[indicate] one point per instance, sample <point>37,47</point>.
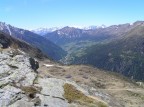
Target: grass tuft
<point>74,95</point>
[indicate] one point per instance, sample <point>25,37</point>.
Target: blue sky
<point>31,14</point>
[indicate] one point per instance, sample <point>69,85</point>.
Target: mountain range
<point>43,31</point>
<point>71,34</point>
<point>30,79</point>
<point>117,48</point>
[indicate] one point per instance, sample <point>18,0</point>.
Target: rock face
<point>17,86</point>
<point>15,72</point>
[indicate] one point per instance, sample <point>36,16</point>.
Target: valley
<point>115,48</point>
<point>92,73</point>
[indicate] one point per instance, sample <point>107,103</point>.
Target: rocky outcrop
<point>15,72</point>
<point>34,64</point>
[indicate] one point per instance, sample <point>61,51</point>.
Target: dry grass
<point>135,94</point>
<point>15,46</point>
<point>30,91</point>
<point>110,83</point>
<point>74,95</point>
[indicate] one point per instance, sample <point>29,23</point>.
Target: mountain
<point>7,41</point>
<point>22,85</point>
<point>27,81</point>
<point>63,35</point>
<point>93,27</point>
<point>71,34</point>
<point>117,48</point>
<point>124,55</point>
<point>43,31</point>
<point>50,49</point>
<point>75,40</point>
<point>90,27</point>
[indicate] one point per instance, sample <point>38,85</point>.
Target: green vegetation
<point>76,49</point>
<point>124,55</point>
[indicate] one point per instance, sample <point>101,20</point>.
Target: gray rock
<point>24,102</point>
<point>8,95</point>
<point>18,88</point>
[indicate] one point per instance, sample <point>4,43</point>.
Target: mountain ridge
<point>72,34</point>
<point>8,41</point>
<point>47,47</point>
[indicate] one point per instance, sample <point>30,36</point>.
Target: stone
<point>8,95</point>
<point>34,64</point>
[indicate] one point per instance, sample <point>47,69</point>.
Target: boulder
<point>34,64</point>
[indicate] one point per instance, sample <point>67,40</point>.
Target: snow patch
<point>48,65</point>
<point>9,29</point>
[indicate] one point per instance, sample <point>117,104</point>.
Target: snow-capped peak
<point>93,27</point>
<point>43,31</point>
<point>90,27</point>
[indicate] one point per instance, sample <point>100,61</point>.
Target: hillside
<point>124,55</point>
<point>114,89</point>
<point>50,49</point>
<point>8,41</point>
